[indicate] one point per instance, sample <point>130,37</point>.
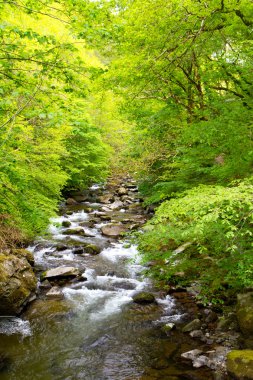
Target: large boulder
<point>113,230</point>
<point>244,312</point>
<point>61,272</point>
<point>240,364</point>
<point>17,282</point>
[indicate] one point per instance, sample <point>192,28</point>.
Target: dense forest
<point>160,89</point>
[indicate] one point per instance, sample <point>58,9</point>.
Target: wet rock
<point>105,217</point>
<point>110,274</point>
<point>144,298</point>
<point>193,325</point>
<point>61,247</point>
<point>168,327</point>
<point>113,230</point>
<point>55,293</point>
<point>92,249</point>
<point>47,309</point>
<point>45,285</point>
<point>71,202</point>
<point>17,283</point>
<point>78,250</point>
<point>244,312</point>
<point>61,272</point>
<point>240,364</point>
<point>97,343</point>
<point>197,334</point>
<point>66,223</point>
<point>80,198</point>
<point>24,253</point>
<point>192,355</point>
<point>78,231</point>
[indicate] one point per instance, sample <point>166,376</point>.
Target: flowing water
<point>96,332</point>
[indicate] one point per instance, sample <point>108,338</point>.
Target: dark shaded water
<point>96,331</point>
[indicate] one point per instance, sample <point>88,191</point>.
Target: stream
<point>93,330</point>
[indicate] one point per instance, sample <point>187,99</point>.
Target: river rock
<point>113,230</point>
<point>55,293</point>
<point>93,249</point>
<point>61,272</point>
<point>66,223</point>
<point>17,283</point>
<point>244,312</point>
<point>193,325</point>
<point>71,202</point>
<point>168,327</point>
<point>116,205</point>
<point>192,355</point>
<point>61,247</point>
<point>24,253</point>
<point>240,364</point>
<point>144,298</point>
<point>107,198</point>
<point>45,285</point>
<point>80,198</point>
<point>122,191</point>
<point>77,231</point>
<point>47,309</point>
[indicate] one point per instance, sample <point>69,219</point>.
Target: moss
<point>240,364</point>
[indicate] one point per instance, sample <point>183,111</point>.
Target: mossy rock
<point>240,364</point>
<point>144,298</point>
<point>244,312</point>
<point>24,253</point>
<point>17,282</point>
<point>92,249</point>
<point>66,223</point>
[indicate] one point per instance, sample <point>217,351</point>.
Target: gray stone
<point>55,293</point>
<point>192,355</point>
<point>61,272</point>
<point>197,334</point>
<point>193,325</point>
<point>113,230</point>
<point>71,201</point>
<point>45,285</point>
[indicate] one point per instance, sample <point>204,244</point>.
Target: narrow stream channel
<point>96,332</point>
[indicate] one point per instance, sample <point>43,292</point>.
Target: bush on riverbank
<point>212,226</point>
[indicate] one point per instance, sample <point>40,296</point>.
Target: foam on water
<point>13,325</point>
<point>118,252</point>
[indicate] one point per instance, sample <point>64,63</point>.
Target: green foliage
<point>213,226</point>
<point>46,137</point>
